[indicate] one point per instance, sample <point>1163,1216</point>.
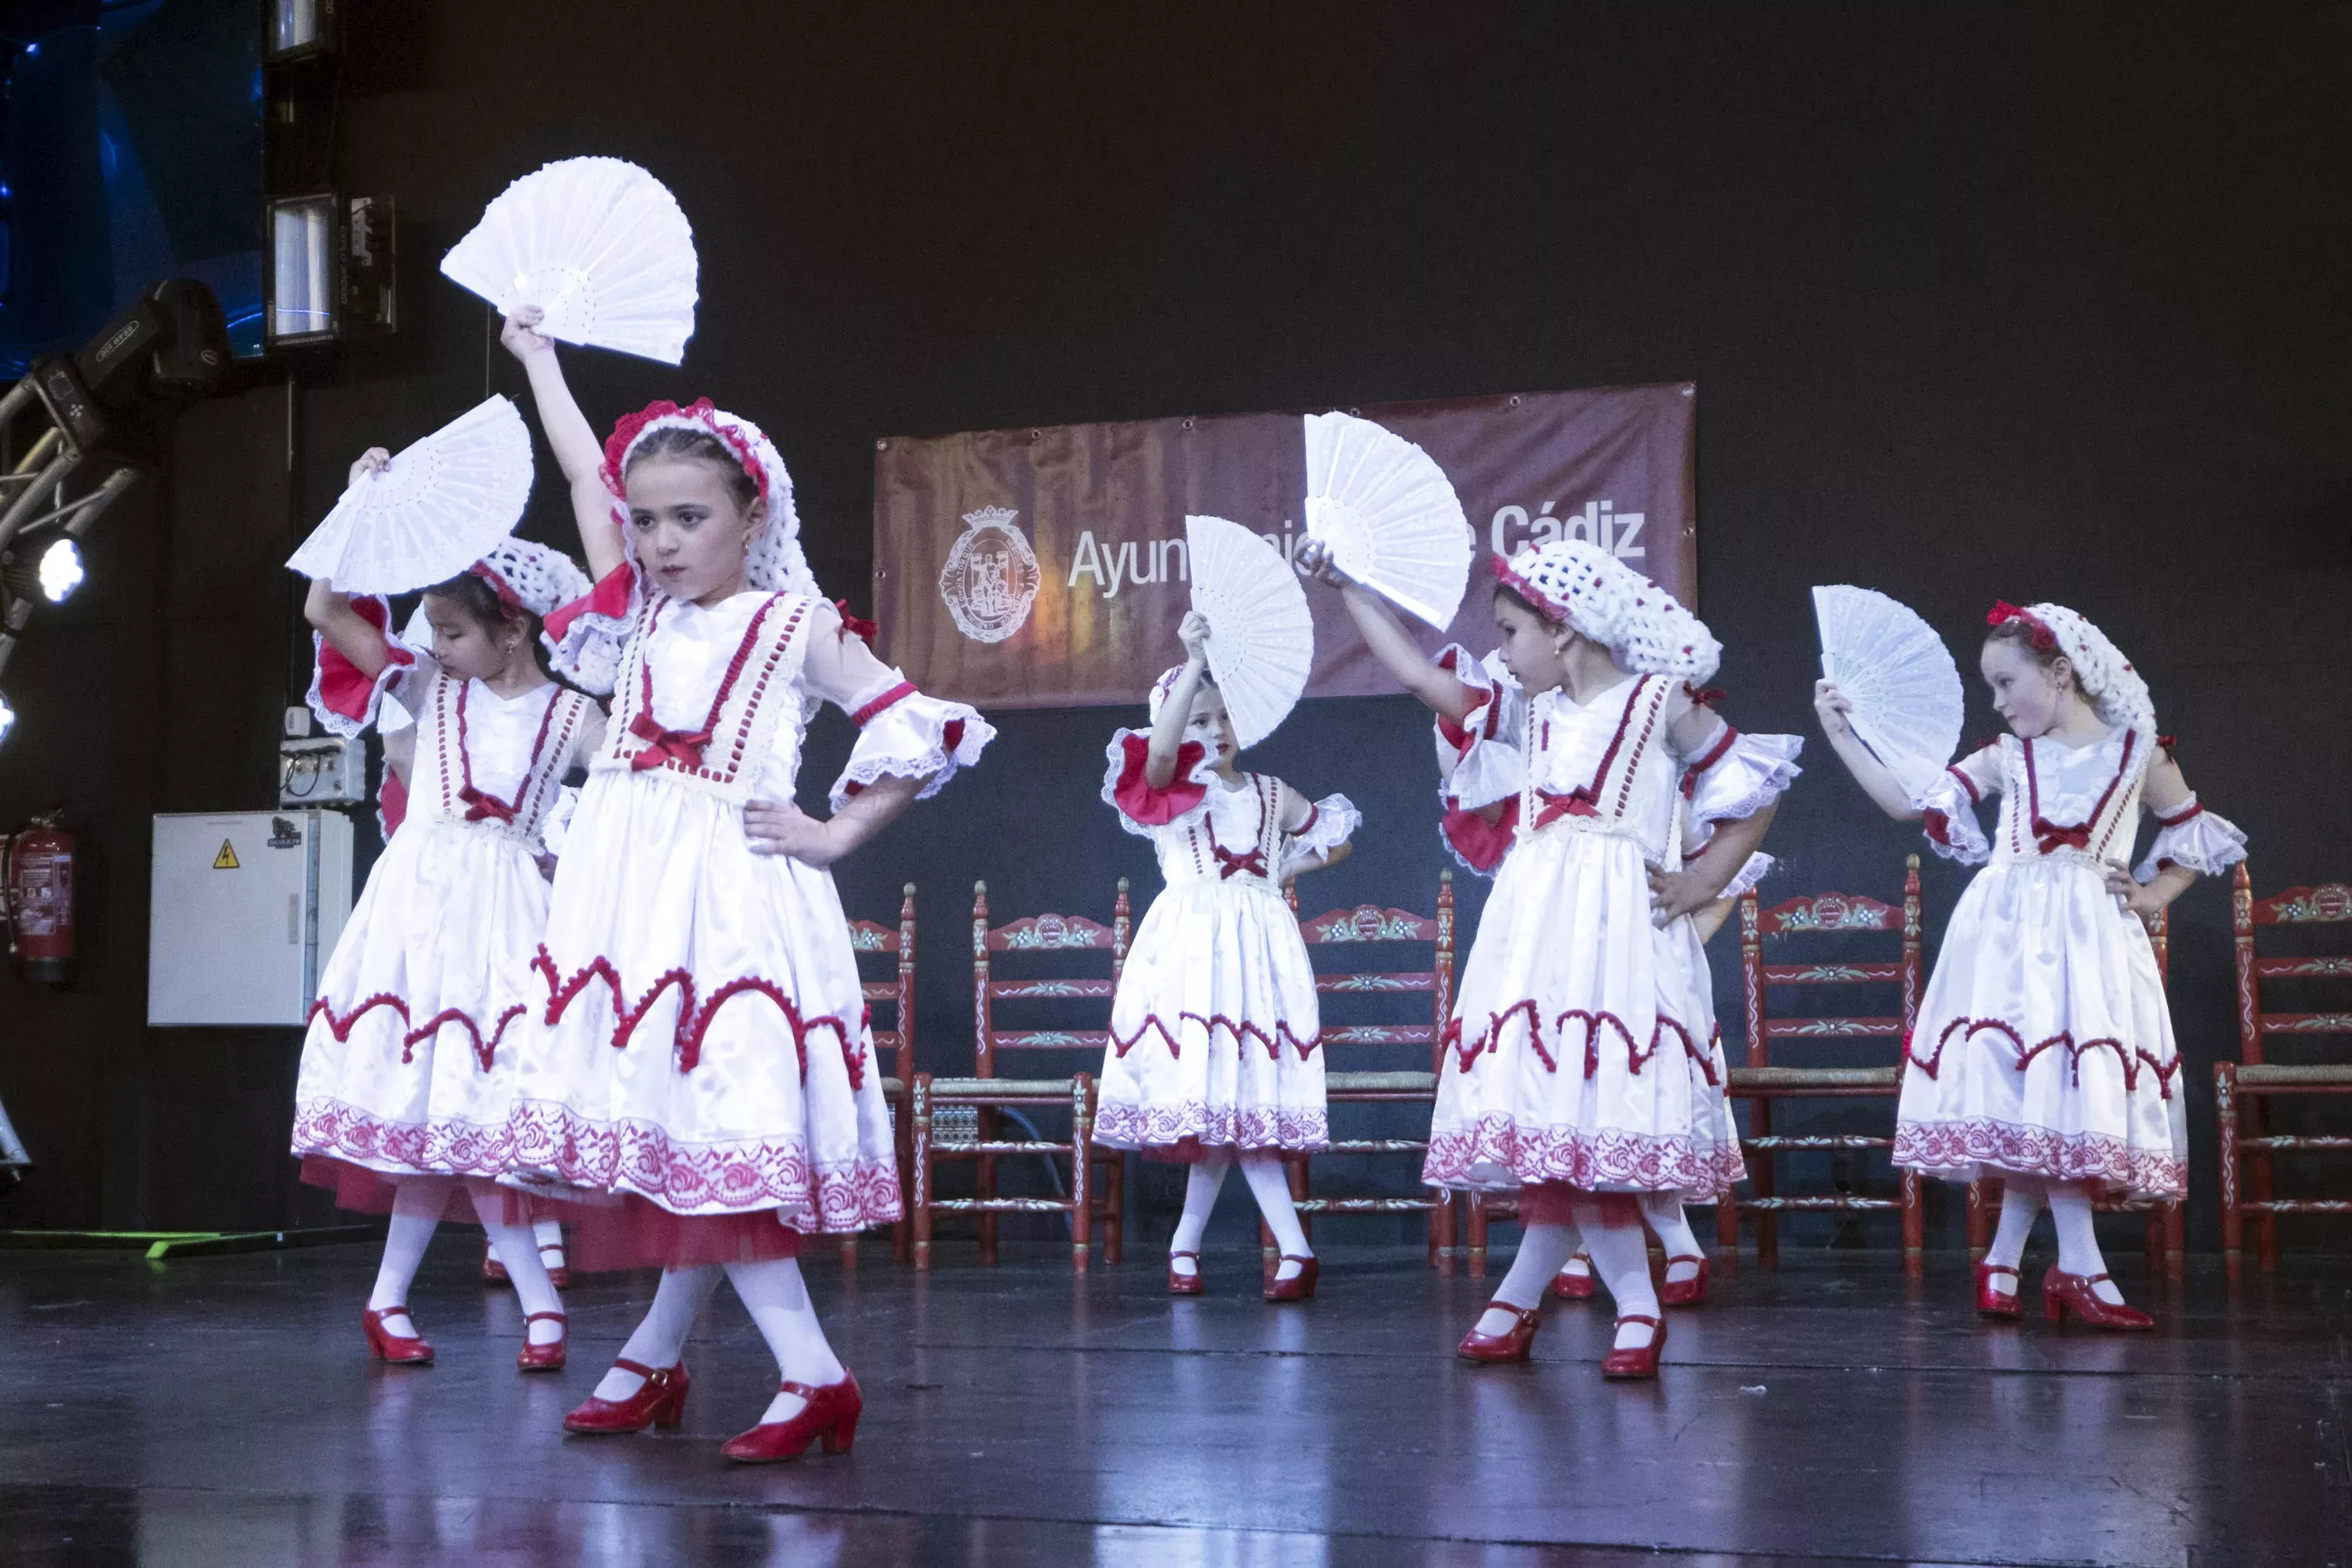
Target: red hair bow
<point>2002,611</point>
<point>865,630</point>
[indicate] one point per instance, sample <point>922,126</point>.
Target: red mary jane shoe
<point>1299,1287</point>
<point>829,1416</point>
<point>548,1357</point>
<point>660,1401</point>
<point>1994,1303</point>
<point>1690,1293</point>
<point>2065,1293</point>
<point>400,1349</point>
<point>1511,1344</point>
<point>1639,1361</point>
<point>1185,1284</point>
<point>1582,1286</point>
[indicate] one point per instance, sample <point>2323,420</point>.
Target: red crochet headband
<point>701,412</point>
<point>507,596</point>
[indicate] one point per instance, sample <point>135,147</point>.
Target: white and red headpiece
<point>528,576</point>
<point>1606,601</point>
<point>775,562</point>
<point>1162,686</point>
<point>2114,690</point>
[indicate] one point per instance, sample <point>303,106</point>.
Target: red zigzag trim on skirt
<point>687,1036</point>
<point>484,1051</point>
<point>1635,1056</point>
<point>1240,1030</point>
<point>2064,1040</point>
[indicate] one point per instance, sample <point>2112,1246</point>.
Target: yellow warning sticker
<point>226,859</point>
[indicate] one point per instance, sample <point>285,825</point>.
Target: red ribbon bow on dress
<point>684,747</point>
<point>1578,801</point>
<point>1233,865</point>
<point>2050,836</point>
<point>853,626</point>
<point>481,807</point>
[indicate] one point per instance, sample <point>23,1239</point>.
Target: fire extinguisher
<point>36,879</point>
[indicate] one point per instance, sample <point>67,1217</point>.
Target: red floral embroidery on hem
<point>1241,1029</point>
<point>1956,1149</point>
<point>1164,1127</point>
<point>687,1034</point>
<point>336,1130</point>
<point>690,1179</point>
<point>1607,1157</point>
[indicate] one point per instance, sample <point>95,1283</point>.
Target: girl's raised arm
<point>1831,706</point>
<point>577,451</point>
<point>1168,730</point>
<point>1390,642</point>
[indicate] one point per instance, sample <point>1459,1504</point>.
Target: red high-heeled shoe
<point>1994,1303</point>
<point>830,1414</point>
<point>659,1401</point>
<point>2063,1293</point>
<point>1576,1287</point>
<point>1511,1344</point>
<point>1640,1360</point>
<point>1299,1287</point>
<point>1185,1284</point>
<point>400,1349</point>
<point>548,1357</point>
<point>1689,1292</point>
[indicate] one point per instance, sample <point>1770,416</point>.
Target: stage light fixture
<point>331,269</point>
<point>299,29</point>
<point>7,718</point>
<point>60,570</point>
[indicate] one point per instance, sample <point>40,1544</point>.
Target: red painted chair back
<point>870,940</point>
<point>1046,936</point>
<point>1367,925</point>
<point>2330,903</point>
<point>1828,915</point>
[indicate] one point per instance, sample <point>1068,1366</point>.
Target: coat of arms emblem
<point>991,576</point>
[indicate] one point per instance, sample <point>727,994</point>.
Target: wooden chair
<point>1761,1082</point>
<point>2243,1089</point>
<point>872,939</point>
<point>988,1094</point>
<point>2166,1219</point>
<point>1350,929</point>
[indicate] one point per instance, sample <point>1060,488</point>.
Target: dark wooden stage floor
<point>220,1411</point>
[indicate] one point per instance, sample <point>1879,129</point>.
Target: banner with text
<point>1045,568</point>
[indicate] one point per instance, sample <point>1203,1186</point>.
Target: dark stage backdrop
<point>2001,301</point>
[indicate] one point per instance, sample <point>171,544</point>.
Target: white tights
<point>1620,1256</point>
<point>1663,1211</point>
<point>417,1206</point>
<point>1268,1183</point>
<point>778,1299</point>
<point>2069,1212</point>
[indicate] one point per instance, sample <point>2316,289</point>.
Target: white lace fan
<point>1906,690</point>
<point>1261,637</point>
<point>434,510</point>
<point>1388,514</point>
<point>599,245</point>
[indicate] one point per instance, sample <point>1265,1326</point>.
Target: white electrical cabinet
<point>246,909</point>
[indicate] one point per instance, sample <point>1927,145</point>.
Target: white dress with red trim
<point>1582,1051</point>
<point>409,1064</point>
<point>702,1050</point>
<point>1214,1028</point>
<point>2044,1044</point>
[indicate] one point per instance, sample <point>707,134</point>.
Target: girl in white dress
<point>408,1068</point>
<point>1213,1055</point>
<point>703,1058</point>
<point>1582,1067</point>
<point>2043,1053</point>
